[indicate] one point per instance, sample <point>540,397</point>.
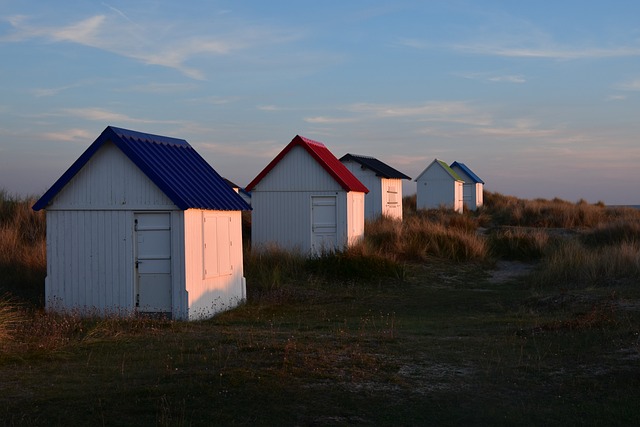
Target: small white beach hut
<point>439,185</point>
<point>472,188</point>
<point>142,223</point>
<point>306,200</point>
<point>384,184</point>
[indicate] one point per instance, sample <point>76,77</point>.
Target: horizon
<point>539,100</point>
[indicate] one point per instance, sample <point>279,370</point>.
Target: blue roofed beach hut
<point>141,223</point>
<point>473,187</point>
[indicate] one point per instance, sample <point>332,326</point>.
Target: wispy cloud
<point>264,149</point>
<point>547,52</point>
<point>329,120</point>
<point>102,115</point>
<point>517,78</point>
<point>69,135</point>
<point>517,38</point>
<point>521,128</point>
<point>270,108</point>
<point>155,43</point>
<point>106,116</point>
<point>162,88</point>
<point>52,91</point>
<point>446,111</point>
<point>629,85</point>
<point>494,78</point>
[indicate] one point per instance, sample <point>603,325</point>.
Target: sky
<point>539,99</point>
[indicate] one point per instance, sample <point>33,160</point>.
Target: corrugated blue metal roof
<point>475,178</point>
<point>171,163</point>
<point>380,168</point>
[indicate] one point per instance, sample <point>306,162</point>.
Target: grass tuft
<point>11,317</point>
<point>23,247</point>
<point>519,243</point>
<point>573,265</point>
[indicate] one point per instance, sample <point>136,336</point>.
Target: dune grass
<point>404,328</point>
<point>22,247</point>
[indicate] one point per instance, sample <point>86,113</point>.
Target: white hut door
<point>153,262</point>
<point>324,224</point>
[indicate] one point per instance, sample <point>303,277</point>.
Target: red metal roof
<point>324,157</point>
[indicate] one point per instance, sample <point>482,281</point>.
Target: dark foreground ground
<point>449,344</point>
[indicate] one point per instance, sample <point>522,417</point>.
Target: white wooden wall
<point>355,213</point>
<point>90,244</point>
<point>473,197</point>
<point>391,197</point>
<point>479,194</point>
<point>90,261</point>
<point>281,204</point>
<point>437,188</point>
<point>298,171</point>
<point>110,180</point>
<point>222,286</point>
<point>373,200</point>
<point>283,219</point>
<point>376,201</point>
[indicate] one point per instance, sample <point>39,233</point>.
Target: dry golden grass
<point>21,229</point>
<point>555,213</point>
<point>574,265</point>
<point>425,235</point>
<point>22,247</point>
<point>368,351</point>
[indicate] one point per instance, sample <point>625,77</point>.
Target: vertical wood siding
<point>282,219</point>
<point>391,197</point>
<point>437,188</point>
<point>298,171</point>
<point>90,261</point>
<point>376,201</point>
<point>211,293</point>
<point>355,213</point>
<point>110,180</point>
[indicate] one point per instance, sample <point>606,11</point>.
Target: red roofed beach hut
<point>306,200</point>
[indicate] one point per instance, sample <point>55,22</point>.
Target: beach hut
<point>246,196</point>
<point>384,184</point>
<point>439,186</point>
<point>141,223</point>
<point>306,200</point>
<point>472,188</point>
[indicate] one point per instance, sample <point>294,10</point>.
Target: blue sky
<point>540,99</point>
